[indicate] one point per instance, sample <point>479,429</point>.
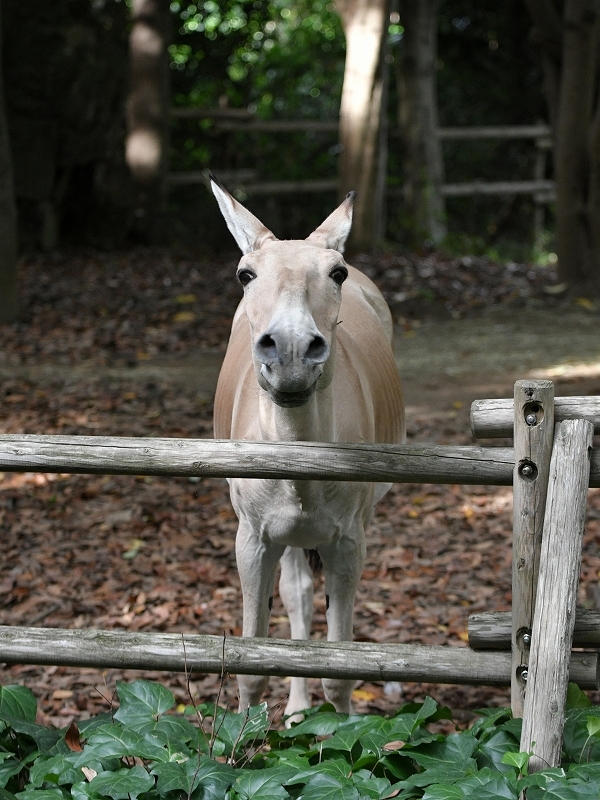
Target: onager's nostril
<point>266,349</point>
<point>317,350</point>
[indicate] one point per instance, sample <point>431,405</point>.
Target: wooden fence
<point>550,468</point>
<point>248,182</point>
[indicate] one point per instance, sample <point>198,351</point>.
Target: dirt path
<point>443,363</point>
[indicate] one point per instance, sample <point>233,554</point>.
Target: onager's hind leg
<point>296,591</point>
<point>256,561</point>
<point>342,563</point>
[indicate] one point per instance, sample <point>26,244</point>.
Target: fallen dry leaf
<point>73,738</point>
<point>396,745</point>
<point>89,773</point>
<point>363,695</point>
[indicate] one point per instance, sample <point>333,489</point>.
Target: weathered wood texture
<point>495,132</point>
<point>492,631</point>
<point>235,655</point>
<point>244,120</point>
<point>491,419</point>
<point>533,434</point>
<point>209,457</point>
<point>116,455</point>
<point>544,710</point>
<point>496,187</point>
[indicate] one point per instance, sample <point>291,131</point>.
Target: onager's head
<point>292,296</point>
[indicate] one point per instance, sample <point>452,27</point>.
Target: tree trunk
<point>570,50</point>
<point>546,33</point>
<point>9,305</point>
<point>571,147</point>
<point>365,27</point>
<point>148,109</point>
<point>418,119</point>
<point>594,200</point>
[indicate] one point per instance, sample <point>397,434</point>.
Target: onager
<point>309,359</point>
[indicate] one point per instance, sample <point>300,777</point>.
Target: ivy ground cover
<point>150,748</point>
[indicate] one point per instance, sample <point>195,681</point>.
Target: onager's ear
<point>246,229</point>
<point>335,230</point>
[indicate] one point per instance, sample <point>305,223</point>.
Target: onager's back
<point>309,359</point>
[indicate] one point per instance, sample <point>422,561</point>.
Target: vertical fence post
<point>533,435</point>
<point>554,619</point>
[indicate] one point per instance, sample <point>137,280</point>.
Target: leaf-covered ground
<point>154,554</point>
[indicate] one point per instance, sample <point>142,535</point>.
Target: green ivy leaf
<point>398,766</point>
<point>456,747</point>
<point>82,791</point>
<point>234,730</point>
<point>11,766</point>
<point>56,769</point>
<point>318,725</point>
<point>518,760</point>
<point>585,772</point>
<point>123,783</point>
<point>431,712</point>
<point>17,703</point>
<point>174,732</point>
<point>350,732</point>
<point>260,785</point>
<point>337,768</point>
<point>491,752</point>
<point>497,788</point>
<point>593,726</point>
<point>576,737</point>
<point>562,791</point>
<point>576,697</point>
<point>327,787</point>
<point>444,791</point>
<point>46,739</point>
<point>111,741</point>
<point>214,777</point>
<point>142,699</point>
<point>370,786</point>
<point>88,726</point>
<point>543,779</point>
<point>488,723</point>
<point>176,777</point>
<point>514,727</point>
<point>41,794</point>
<point>448,772</point>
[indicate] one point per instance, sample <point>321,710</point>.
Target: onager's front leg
<point>296,592</point>
<point>342,563</point>
<point>256,561</point>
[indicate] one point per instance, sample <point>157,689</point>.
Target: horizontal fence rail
<point>229,459</point>
<point>492,630</point>
<point>238,119</point>
<point>235,655</point>
<point>495,418</point>
<point>496,132</point>
<point>114,455</point>
<point>497,187</point>
<point>230,120</point>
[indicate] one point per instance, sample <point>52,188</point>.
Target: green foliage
<point>147,751</point>
<point>272,56</point>
<point>277,59</point>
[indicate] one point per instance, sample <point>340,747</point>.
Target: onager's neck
<point>312,422</point>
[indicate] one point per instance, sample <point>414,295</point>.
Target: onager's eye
<point>244,276</point>
<point>339,275</point>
